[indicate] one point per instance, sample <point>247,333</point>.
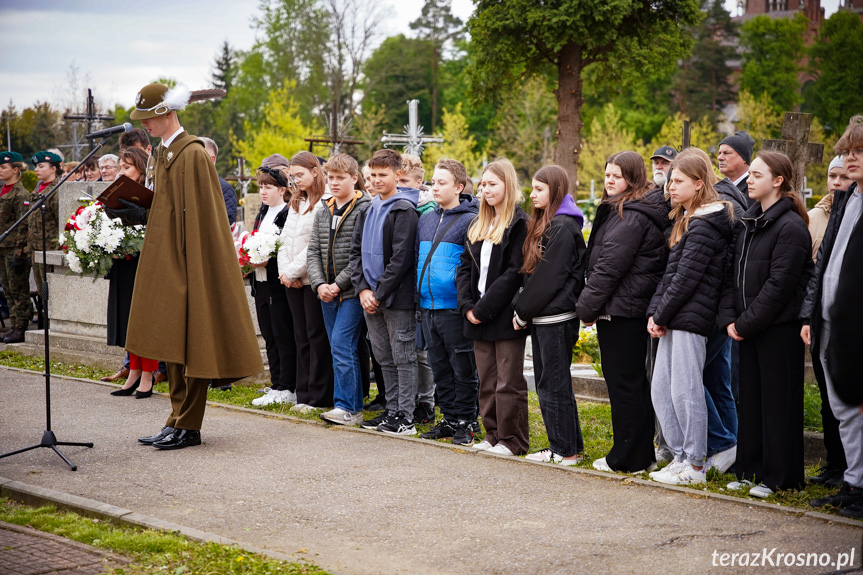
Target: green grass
<point>150,551</point>
<point>812,408</point>
<point>595,424</point>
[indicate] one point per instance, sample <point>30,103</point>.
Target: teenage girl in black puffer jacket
<point>683,313</point>
<point>771,267</point>
<point>626,258</point>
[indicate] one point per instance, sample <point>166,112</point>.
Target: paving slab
<point>26,551</point>
<point>366,503</point>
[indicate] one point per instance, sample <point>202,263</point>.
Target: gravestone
<point>251,207</point>
<point>796,145</point>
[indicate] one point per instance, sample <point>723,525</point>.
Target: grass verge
<point>595,421</point>
<point>150,551</point>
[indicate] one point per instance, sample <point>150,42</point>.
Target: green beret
<point>150,102</point>
<point>10,157</point>
<point>45,157</point>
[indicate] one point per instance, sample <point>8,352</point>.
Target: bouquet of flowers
<point>256,248</point>
<point>92,241</point>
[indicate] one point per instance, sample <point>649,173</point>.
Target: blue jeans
<point>552,357</point>
<point>721,409</point>
<point>343,320</point>
<point>452,361</point>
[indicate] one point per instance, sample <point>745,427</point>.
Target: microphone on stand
<point>110,131</point>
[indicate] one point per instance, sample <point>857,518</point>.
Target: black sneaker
<point>424,413</point>
<point>853,511</point>
<point>832,476</point>
<point>375,405</point>
<point>375,421</point>
<point>474,426</point>
<point>847,496</point>
<point>463,433</point>
<point>443,430</point>
<point>398,425</point>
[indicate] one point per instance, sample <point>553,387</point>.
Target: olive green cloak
<point>189,305</point>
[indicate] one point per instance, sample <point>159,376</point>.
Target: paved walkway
<point>359,502</point>
<point>26,551</point>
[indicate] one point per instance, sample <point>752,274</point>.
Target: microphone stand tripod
<point>48,438</point>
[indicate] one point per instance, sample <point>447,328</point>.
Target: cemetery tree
<point>702,85</point>
<point>772,51</point>
<point>438,25</point>
<point>396,72</point>
<point>282,130</point>
<point>224,68</point>
<point>559,38</point>
<point>835,96</point>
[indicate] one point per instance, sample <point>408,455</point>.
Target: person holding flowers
<point>271,301</point>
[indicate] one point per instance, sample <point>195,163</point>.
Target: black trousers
<point>770,434</point>
<point>276,323</point>
<point>832,441</point>
<point>314,359</point>
<point>623,345</point>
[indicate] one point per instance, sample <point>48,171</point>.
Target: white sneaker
<point>548,456</point>
<point>290,396</point>
<point>761,491</point>
<point>723,460</point>
<point>272,396</point>
<point>482,445</point>
<point>671,467</point>
<point>340,416</point>
<point>301,408</point>
<point>735,485</point>
<point>601,465</point>
<point>686,475</point>
<point>499,449</point>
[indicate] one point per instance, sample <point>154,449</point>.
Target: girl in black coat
<point>626,258</point>
<point>772,265</point>
<point>554,277</point>
<point>683,312</point>
<point>487,281</point>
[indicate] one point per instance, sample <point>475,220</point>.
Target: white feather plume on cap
<point>177,97</point>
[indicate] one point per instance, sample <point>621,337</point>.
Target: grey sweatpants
<point>850,419</point>
<point>677,393</point>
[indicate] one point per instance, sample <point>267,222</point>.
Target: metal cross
<point>796,145</point>
<point>413,138</point>
<point>90,118</point>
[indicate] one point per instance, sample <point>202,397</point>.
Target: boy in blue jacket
<point>383,255</point>
<point>441,237</point>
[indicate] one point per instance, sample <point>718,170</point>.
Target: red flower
<point>69,227</point>
<point>128,257</point>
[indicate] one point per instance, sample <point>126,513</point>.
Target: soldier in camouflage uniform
<point>49,170</point>
<point>14,252</point>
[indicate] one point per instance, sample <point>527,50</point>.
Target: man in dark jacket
<point>735,155</point>
<point>819,314</point>
<point>660,163</point>
<point>228,191</point>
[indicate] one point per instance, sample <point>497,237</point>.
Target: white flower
<point>74,262</point>
<point>82,240</point>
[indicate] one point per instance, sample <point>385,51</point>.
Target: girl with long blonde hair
<point>488,280</point>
